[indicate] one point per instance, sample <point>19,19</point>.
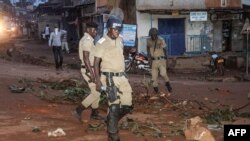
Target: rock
<point>229,79</point>
<point>58,132</point>
<point>194,130</point>
<point>154,98</point>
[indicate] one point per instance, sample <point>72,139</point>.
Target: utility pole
<point>247,55</point>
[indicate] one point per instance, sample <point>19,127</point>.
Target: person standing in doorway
<point>55,41</point>
<point>156,48</point>
<point>109,56</point>
<point>86,50</point>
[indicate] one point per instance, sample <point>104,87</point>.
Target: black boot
<point>156,89</point>
<point>112,122</point>
<point>125,109</point>
<point>113,137</point>
<point>77,113</point>
<point>95,115</point>
<point>168,87</point>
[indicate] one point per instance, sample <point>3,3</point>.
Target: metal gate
<point>197,44</point>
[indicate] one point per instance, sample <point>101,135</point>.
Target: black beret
<point>92,25</point>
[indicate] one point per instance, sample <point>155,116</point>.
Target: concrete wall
<point>237,42</point>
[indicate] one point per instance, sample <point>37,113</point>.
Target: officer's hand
<point>98,85</point>
<point>150,61</point>
<point>92,78</point>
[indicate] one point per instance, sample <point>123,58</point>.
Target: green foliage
<point>75,94</point>
<point>219,115</point>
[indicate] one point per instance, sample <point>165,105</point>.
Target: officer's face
<point>114,32</point>
<point>92,32</point>
<point>154,36</point>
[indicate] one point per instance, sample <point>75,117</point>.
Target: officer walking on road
<point>157,56</point>
<point>86,50</point>
<point>109,55</point>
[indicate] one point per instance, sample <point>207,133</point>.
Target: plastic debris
<point>57,133</point>
<point>16,89</point>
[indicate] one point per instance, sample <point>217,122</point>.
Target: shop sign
<point>198,16</point>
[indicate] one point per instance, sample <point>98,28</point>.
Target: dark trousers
<point>47,37</point>
<point>57,51</point>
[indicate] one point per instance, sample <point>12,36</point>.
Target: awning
<point>143,5</point>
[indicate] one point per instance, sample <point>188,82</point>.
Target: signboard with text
<point>128,34</point>
<point>198,16</point>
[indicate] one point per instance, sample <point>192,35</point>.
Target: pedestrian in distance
<point>47,32</point>
<point>86,50</point>
<point>109,59</point>
<point>65,46</point>
<point>55,41</point>
<point>156,48</point>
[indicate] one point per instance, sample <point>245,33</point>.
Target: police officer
<point>86,49</point>
<point>157,56</point>
<point>109,54</point>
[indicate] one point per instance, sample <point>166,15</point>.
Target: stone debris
<point>194,130</point>
<point>57,133</point>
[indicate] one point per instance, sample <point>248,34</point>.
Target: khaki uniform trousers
<point>124,90</point>
<point>94,97</point>
<point>159,66</point>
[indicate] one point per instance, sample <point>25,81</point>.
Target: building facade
<point>192,26</point>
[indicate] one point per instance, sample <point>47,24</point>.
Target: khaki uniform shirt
<point>111,53</point>
<point>156,50</point>
<point>87,44</point>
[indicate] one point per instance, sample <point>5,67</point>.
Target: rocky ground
<point>36,99</point>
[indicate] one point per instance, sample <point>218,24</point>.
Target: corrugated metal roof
<point>169,4</point>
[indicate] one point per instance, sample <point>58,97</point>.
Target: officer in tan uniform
<point>109,52</point>
<point>86,49</point>
<point>157,56</point>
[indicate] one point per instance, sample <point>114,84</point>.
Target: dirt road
<point>28,116</point>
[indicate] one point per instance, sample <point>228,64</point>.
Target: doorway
<point>226,35</point>
<point>174,31</point>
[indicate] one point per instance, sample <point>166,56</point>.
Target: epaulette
<point>101,40</point>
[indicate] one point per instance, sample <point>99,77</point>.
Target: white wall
<point>143,26</point>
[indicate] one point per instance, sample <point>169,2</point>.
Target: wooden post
<point>247,55</point>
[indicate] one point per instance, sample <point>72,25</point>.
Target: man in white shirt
<point>55,41</point>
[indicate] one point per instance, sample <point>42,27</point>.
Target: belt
<point>158,58</point>
<point>85,67</point>
<point>118,74</point>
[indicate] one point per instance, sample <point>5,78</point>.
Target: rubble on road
<point>194,130</point>
<point>56,133</point>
